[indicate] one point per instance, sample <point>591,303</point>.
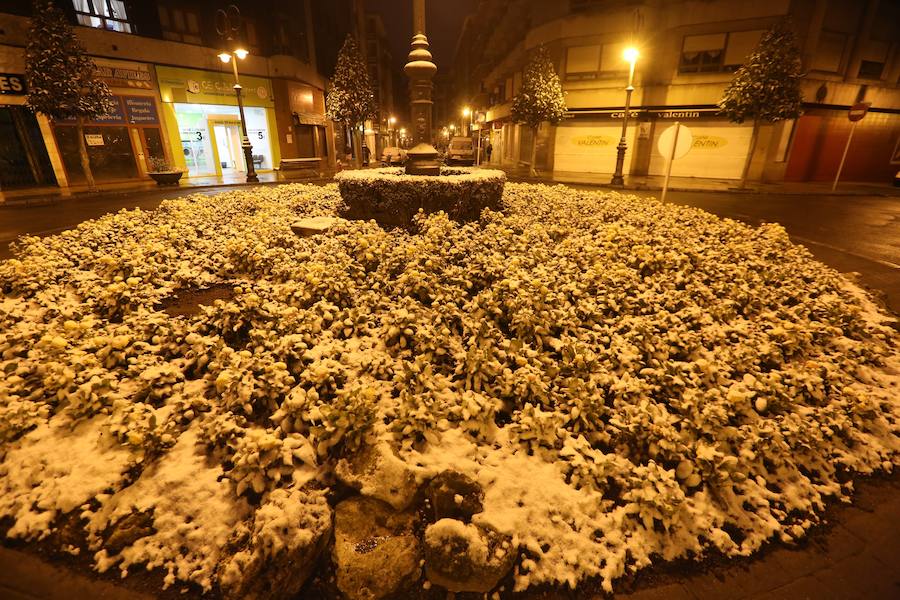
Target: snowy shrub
<point>391,197</point>
<point>626,380</point>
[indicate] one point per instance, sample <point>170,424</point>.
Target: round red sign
<point>858,111</point>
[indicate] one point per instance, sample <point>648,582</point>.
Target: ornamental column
<point>422,158</point>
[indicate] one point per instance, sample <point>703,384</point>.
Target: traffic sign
<point>667,139</point>
<point>858,111</point>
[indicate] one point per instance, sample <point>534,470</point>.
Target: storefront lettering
<point>592,140</point>
<point>678,114</point>
<point>141,109</point>
<point>12,84</point>
<point>708,142</point>
<point>132,75</point>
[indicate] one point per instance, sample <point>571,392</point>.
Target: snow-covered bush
<point>392,197</point>
<point>596,362</point>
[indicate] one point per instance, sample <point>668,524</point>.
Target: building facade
<point>175,100</point>
<point>689,51</point>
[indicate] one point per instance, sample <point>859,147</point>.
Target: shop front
<point>24,160</point>
<point>589,142</point>
<point>123,143</point>
<point>203,121</point>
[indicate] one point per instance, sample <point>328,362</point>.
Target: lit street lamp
<point>233,57</point>
<point>631,55</point>
<point>467,112</point>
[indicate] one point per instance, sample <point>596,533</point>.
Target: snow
<point>53,470</point>
<point>628,381</point>
<point>194,515</point>
<point>449,175</point>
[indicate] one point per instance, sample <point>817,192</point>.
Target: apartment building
<point>175,98</point>
<point>689,50</point>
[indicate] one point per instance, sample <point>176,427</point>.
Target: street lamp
<point>233,57</point>
<point>467,112</point>
<point>391,122</point>
<point>631,55</point>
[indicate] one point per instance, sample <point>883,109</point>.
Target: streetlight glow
<point>225,57</point>
<point>467,111</point>
<point>631,54</point>
<point>392,120</point>
<point>241,53</point>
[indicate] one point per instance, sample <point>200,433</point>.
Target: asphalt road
<point>858,234</point>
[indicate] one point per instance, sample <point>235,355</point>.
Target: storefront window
<point>211,133</point>
<point>23,156</point>
<point>109,149</point>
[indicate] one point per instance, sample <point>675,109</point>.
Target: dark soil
<point>187,302</point>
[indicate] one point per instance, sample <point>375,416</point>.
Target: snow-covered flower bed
<point>392,197</point>
<point>627,381</point>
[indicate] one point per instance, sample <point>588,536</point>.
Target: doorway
<point>228,147</point>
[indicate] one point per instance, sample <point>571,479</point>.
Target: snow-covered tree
<point>62,81</point>
<point>540,99</point>
<point>767,86</point>
<point>350,100</point>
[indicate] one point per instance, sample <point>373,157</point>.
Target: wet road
<point>850,233</point>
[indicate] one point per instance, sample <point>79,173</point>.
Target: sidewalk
<point>52,195</point>
<point>700,184</point>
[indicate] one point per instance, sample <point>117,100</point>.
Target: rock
<point>465,557</point>
<point>456,496</point>
<point>376,552</point>
<point>377,472</point>
<point>278,551</point>
<point>311,226</point>
<point>128,530</point>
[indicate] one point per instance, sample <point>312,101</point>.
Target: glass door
<point>228,145</point>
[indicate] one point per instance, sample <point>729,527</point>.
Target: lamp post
<point>391,122</point>
<point>631,55</point>
<point>233,57</point>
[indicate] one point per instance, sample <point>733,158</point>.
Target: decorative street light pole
<point>467,112</point>
<point>226,57</point>
<point>631,55</point>
<point>422,157</point>
<point>228,25</point>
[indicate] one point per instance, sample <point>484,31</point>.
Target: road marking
<point>885,263</point>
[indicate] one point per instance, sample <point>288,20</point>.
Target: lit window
<point>103,14</point>
<point>702,53</point>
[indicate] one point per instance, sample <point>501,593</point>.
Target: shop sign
<point>141,110</point>
<point>666,113</point>
<point>210,87</point>
<point>593,140</point>
<point>13,84</point>
<point>93,139</point>
<point>115,115</point>
<point>124,74</point>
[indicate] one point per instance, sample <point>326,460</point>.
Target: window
<point>874,57</point>
<point>180,24</point>
<point>740,45</point>
<point>103,14</point>
<point>869,69</point>
<point>829,51</point>
<point>582,62</point>
<point>703,53</point>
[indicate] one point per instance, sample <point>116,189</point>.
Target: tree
<point>62,81</point>
<point>350,100</point>
<point>767,86</point>
<point>540,99</point>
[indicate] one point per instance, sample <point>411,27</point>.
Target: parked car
<point>393,156</point>
<point>461,151</point>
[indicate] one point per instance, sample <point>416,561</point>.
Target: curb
<point>747,191</point>
<point>58,199</point>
